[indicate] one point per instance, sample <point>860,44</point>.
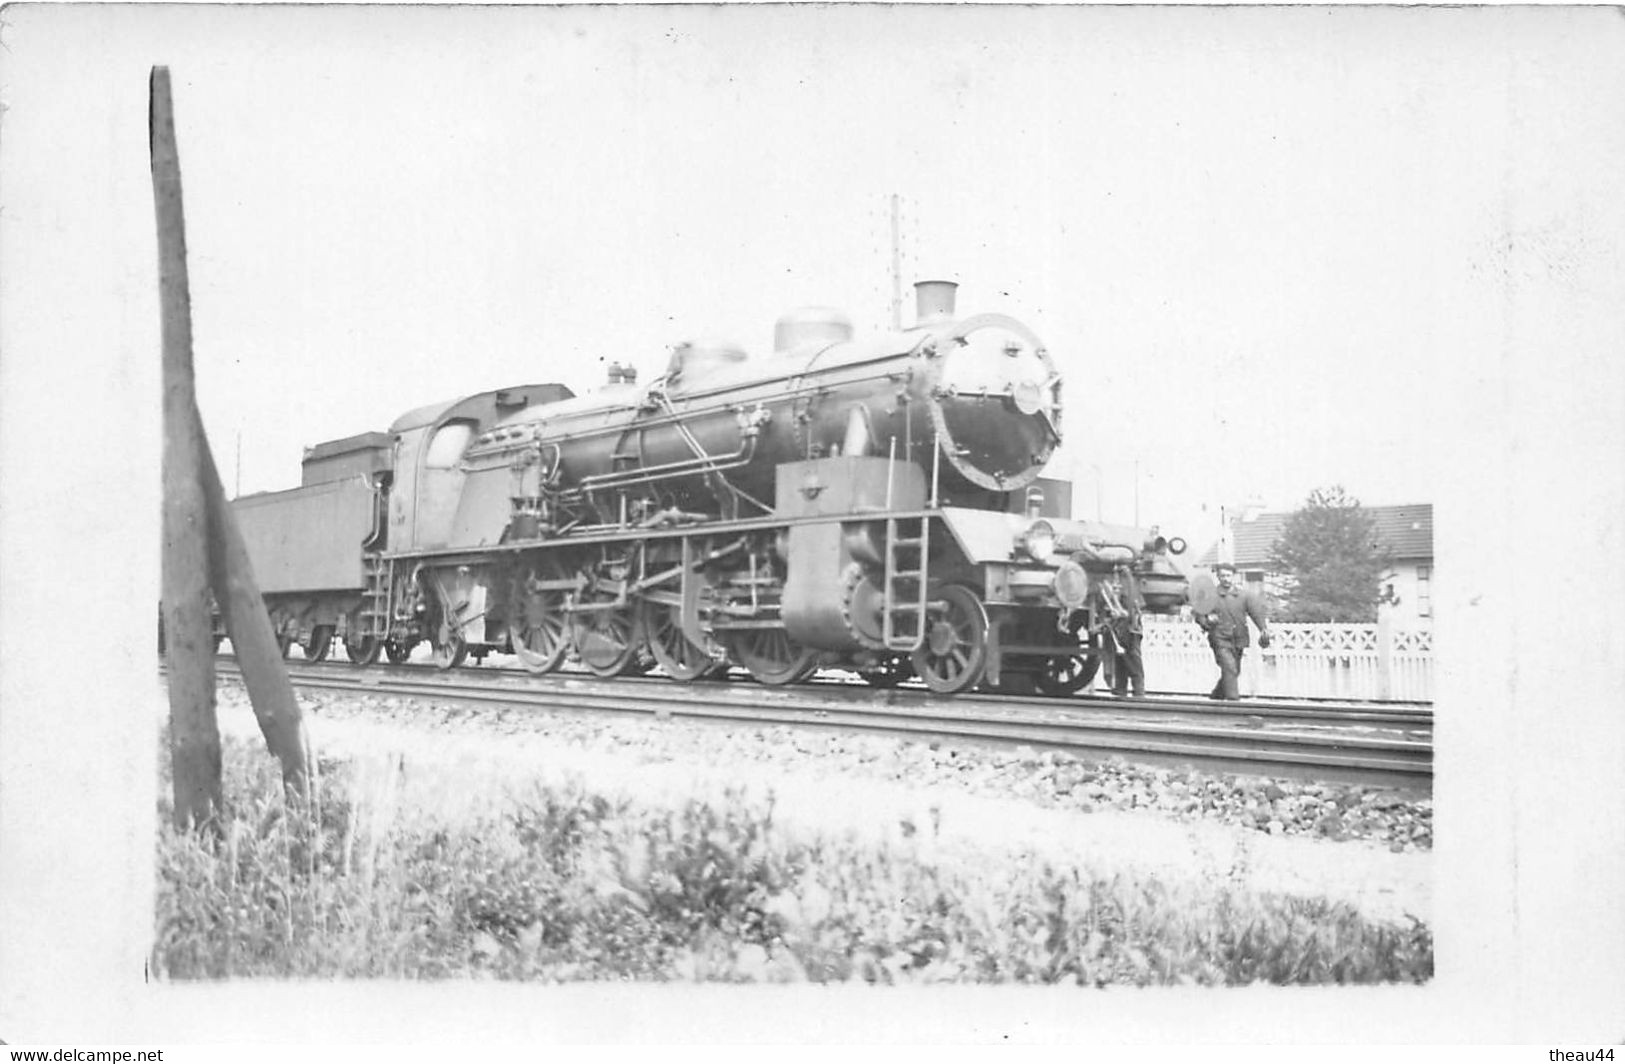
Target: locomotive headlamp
<point>1071,584</point>
<point>1038,542</point>
<point>1163,545</point>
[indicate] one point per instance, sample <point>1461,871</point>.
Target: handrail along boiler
<point>865,503</point>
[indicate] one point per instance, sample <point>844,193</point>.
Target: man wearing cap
<point>1226,627</point>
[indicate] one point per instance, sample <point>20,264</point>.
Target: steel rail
<point>1228,740</point>
<point>1306,712</point>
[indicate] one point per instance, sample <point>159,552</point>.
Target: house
<point>1406,531</point>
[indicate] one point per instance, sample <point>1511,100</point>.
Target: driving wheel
<point>771,656</point>
<point>661,630</point>
<point>538,631</point>
<point>605,638</point>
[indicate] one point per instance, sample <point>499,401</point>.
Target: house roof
<point>1407,532</point>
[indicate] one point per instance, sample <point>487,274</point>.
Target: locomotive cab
<point>440,499</point>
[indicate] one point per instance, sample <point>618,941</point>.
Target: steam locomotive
<point>872,504</point>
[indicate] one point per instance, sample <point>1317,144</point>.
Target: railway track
<point>1348,743</point>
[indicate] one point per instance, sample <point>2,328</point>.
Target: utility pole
<point>194,732</point>
<point>237,484</point>
<point>896,266</point>
<point>1136,493</point>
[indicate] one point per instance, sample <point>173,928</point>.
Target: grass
<point>404,872</point>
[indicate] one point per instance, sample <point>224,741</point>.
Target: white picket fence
<point>1355,661</point>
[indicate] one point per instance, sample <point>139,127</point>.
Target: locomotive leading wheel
<point>605,640</point>
<point>537,630</point>
<point>1065,676</point>
<point>771,656</point>
<point>659,627</point>
<point>1069,675</point>
<point>954,653</point>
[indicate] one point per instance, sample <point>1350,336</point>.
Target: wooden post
<point>194,737</point>
<point>265,674</point>
<point>218,554</point>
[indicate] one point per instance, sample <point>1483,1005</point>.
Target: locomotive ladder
<point>908,539</point>
<point>375,597</point>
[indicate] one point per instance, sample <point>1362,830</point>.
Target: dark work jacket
<point>1133,603</point>
<point>1230,623</point>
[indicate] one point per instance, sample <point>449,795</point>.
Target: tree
<point>1330,560</point>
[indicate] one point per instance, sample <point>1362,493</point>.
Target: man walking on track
<point>1224,619</point>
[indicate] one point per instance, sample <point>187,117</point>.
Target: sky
<point>1246,236</point>
<point>1272,249</point>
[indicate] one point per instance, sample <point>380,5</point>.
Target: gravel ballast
<point>1366,846</point>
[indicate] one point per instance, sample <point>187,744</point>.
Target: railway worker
<point>1226,627</point>
<point>1127,631</point>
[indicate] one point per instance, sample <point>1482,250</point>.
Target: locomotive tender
<point>872,504</point>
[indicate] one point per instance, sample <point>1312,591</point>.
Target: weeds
<point>560,884</point>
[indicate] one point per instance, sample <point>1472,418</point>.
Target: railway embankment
<point>777,854</point>
<point>776,756</point>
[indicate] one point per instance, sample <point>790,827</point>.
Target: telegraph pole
<point>896,266</point>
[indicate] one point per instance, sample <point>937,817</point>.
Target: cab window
<point>448,445</point>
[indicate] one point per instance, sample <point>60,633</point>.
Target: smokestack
<point>934,300</point>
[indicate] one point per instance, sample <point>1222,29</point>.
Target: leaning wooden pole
<point>194,736</point>
<point>225,557</point>
<point>249,626</point>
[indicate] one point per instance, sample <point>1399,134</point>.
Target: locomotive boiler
<point>868,503</point>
